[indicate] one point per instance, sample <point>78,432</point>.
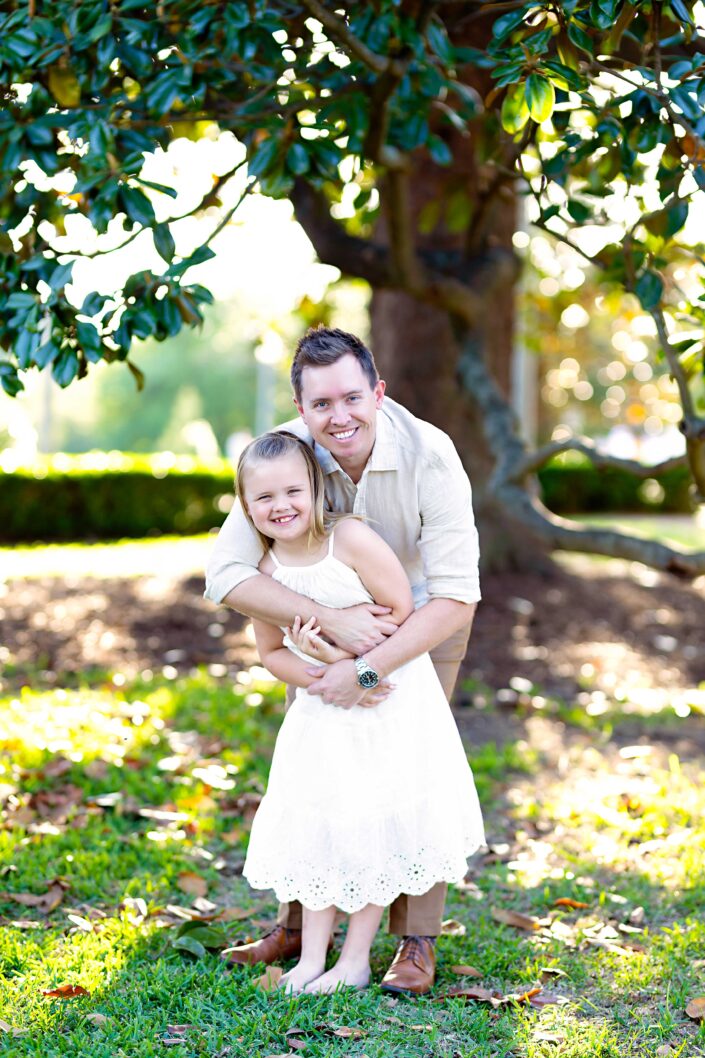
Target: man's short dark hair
<point>321,346</point>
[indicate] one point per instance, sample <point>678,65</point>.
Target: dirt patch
<point>556,629</point>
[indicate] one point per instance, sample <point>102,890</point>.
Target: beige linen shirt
<point>414,492</point>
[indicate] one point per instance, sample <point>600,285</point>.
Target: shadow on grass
<point>621,1000</point>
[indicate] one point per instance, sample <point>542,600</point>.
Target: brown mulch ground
<point>577,622</point>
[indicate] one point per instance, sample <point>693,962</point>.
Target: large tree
<point>405,132</point>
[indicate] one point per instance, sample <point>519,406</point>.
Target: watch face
<point>368,678</point>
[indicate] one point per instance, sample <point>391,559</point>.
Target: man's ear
<point>299,406</point>
<point>379,391</point>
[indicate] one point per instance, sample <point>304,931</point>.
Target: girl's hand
<point>307,639</point>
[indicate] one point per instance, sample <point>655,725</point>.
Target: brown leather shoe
<point>413,968</point>
<point>278,946</point>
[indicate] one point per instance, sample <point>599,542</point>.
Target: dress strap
<point>330,542</point>
<point>274,558</point>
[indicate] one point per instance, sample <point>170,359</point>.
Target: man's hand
<point>357,629</point>
<point>338,686</point>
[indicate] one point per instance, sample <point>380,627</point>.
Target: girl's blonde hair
<point>274,445</point>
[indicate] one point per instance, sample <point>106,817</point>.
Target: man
<point>405,477</point>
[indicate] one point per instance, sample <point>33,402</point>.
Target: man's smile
<point>344,435</point>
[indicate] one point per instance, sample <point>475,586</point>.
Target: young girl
<point>362,804</point>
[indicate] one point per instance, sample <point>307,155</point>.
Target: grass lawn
<point>125,814</point>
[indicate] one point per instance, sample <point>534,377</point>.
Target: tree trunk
<point>416,351</point>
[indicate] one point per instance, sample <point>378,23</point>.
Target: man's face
<point>340,409</point>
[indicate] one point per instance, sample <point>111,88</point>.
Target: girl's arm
<point>376,565</point>
<point>279,659</point>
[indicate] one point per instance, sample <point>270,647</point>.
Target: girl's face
<point>277,494</point>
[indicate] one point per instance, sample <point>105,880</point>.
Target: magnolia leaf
<point>466,971</point>
<point>540,97</point>
<point>269,980</point>
<point>515,918</point>
<point>695,1008</point>
<point>65,991</point>
<point>515,112</point>
<point>192,883</point>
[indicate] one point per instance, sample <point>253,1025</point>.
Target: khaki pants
<point>412,915</point>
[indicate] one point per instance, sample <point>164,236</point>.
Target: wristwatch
<point>366,675</point>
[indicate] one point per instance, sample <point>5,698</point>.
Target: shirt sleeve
<point>235,555</point>
<point>448,543</point>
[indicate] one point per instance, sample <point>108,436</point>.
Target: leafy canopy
<point>585,101</point>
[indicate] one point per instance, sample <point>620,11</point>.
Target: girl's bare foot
<point>299,976</point>
<point>341,976</point>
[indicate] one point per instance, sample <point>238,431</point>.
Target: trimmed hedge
<point>112,495</point>
<point>109,495</point>
<point>573,487</point>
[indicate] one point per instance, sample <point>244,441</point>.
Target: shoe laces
<point>411,947</point>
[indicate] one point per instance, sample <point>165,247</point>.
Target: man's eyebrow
<point>351,393</point>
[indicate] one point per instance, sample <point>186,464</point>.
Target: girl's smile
<point>277,493</point>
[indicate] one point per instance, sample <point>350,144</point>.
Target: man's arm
<point>450,553</point>
<point>232,578</point>
<point>355,629</point>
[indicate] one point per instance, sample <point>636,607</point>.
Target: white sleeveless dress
<point>363,804</point>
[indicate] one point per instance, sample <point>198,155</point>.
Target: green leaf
<point>580,38</point>
<point>649,288</point>
<point>440,45</point>
<point>190,945</point>
<point>9,380</point>
<point>65,368</point>
<point>137,206</point>
<point>297,159</point>
<point>579,211</point>
<point>89,341</point>
<point>263,157</point>
<point>515,113</point>
<point>668,221</point>
<point>208,936</point>
<point>508,22</point>
<point>61,276</point>
<point>439,150</point>
<point>540,97</point>
<point>164,242</point>
<point>429,216</point>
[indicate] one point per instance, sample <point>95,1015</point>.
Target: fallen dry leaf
<point>295,1039</point>
<point>466,971</point>
<point>420,1028</point>
<point>695,1008</point>
<point>45,903</point>
<point>567,901</point>
<point>547,972</point>
<point>235,914</point>
<point>269,980</point>
<point>66,991</point>
<point>452,928</point>
<point>346,1033</point>
<point>550,1037</point>
<point>57,804</point>
<point>515,918</point>
<point>482,995</point>
<point>97,1019</point>
<point>192,883</point>
<point>538,998</point>
<point>4,1027</point>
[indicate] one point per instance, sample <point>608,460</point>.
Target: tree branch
<point>396,200</point>
<point>513,463</point>
<point>340,32</point>
<point>461,291</point>
<point>533,461</point>
<point>563,535</point>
